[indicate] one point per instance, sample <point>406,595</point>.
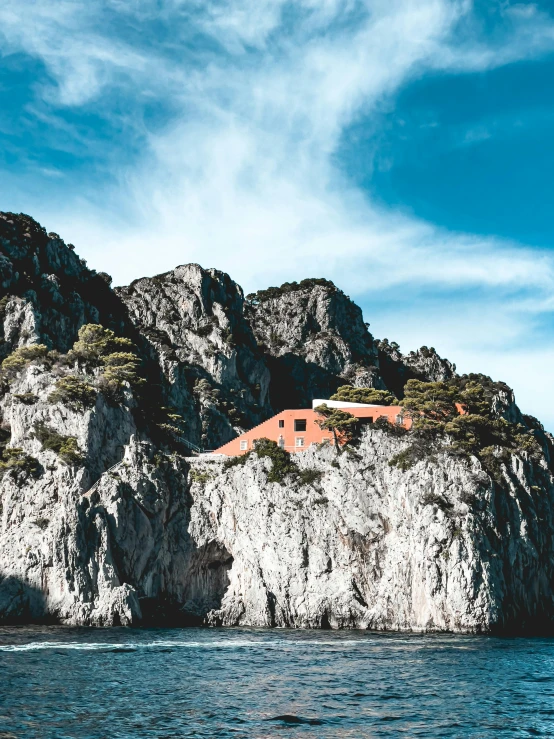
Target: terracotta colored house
<point>295,430</point>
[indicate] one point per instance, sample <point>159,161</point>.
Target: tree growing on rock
<point>95,342</point>
<point>340,423</point>
<point>430,405</point>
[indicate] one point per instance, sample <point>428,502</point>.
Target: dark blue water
<point>60,683</point>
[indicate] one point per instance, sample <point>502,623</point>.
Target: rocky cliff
<point>106,517</point>
<point>314,340</point>
<point>46,291</point>
<point>214,372</point>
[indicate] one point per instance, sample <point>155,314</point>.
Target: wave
<point>133,646</point>
<point>278,643</point>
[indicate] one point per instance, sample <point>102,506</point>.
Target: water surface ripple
<point>58,683</point>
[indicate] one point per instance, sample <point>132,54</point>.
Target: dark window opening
<point>300,425</point>
<point>281,423</point>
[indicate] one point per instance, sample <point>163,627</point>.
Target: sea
<point>62,683</point>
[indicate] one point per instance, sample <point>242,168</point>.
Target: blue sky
<point>403,149</point>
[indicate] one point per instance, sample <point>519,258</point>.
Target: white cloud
<point>244,177</point>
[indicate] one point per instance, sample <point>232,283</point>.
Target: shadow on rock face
<point>22,603</point>
<point>206,583</point>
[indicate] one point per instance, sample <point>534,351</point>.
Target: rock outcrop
<point>214,373</point>
<point>441,546</point>
<point>314,339</point>
<point>424,364</point>
<point>46,291</point>
<point>107,518</point>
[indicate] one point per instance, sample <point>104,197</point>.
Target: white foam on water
<point>278,643</point>
<point>219,644</point>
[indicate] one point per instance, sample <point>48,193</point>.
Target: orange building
<point>295,430</point>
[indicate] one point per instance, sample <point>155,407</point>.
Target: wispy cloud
<point>242,174</point>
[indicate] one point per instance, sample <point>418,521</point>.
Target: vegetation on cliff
<point>271,293</point>
<point>462,411</point>
<point>369,395</point>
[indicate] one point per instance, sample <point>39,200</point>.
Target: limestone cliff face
<point>105,540</point>
<point>315,340</point>
<point>103,521</point>
<point>193,319</point>
<point>46,291</point>
<point>162,539</point>
<point>439,547</point>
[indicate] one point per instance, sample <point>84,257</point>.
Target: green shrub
<point>122,367</point>
<point>205,330</point>
<point>203,389</point>
<point>370,395</point>
<point>14,458</point>
<point>66,447</point>
<point>344,426</point>
<point>73,392</point>
<point>23,356</point>
<point>3,306</point>
<point>26,398</point>
<point>289,287</point>
<point>430,405</point>
<point>394,429</point>
<point>237,461</point>
<point>421,448</point>
<point>434,499</point>
<point>95,342</point>
<point>200,477</point>
<point>282,464</point>
<point>309,476</point>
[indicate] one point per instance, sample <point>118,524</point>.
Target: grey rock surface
<point>214,372</point>
<point>137,531</point>
<point>314,339</point>
<point>439,547</point>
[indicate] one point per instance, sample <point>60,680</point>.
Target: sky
<point>401,148</point>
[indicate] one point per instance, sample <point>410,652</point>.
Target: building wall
<point>272,428</point>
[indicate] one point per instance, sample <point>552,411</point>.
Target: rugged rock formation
<point>193,318</point>
<point>439,547</point>
<point>315,339</point>
<point>46,291</point>
<point>424,364</point>
<point>442,546</point>
<point>103,520</point>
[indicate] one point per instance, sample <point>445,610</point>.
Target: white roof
<point>343,404</point>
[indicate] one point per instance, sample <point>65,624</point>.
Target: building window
<point>281,423</point>
<point>243,446</point>
<point>299,441</point>
<point>399,419</point>
<point>300,424</point>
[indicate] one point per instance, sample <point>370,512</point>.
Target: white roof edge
<point>343,404</point>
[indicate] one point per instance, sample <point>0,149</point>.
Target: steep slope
<point>106,519</point>
<point>46,291</point>
<point>314,338</point>
<point>215,375</point>
<point>355,543</point>
<point>440,547</point>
